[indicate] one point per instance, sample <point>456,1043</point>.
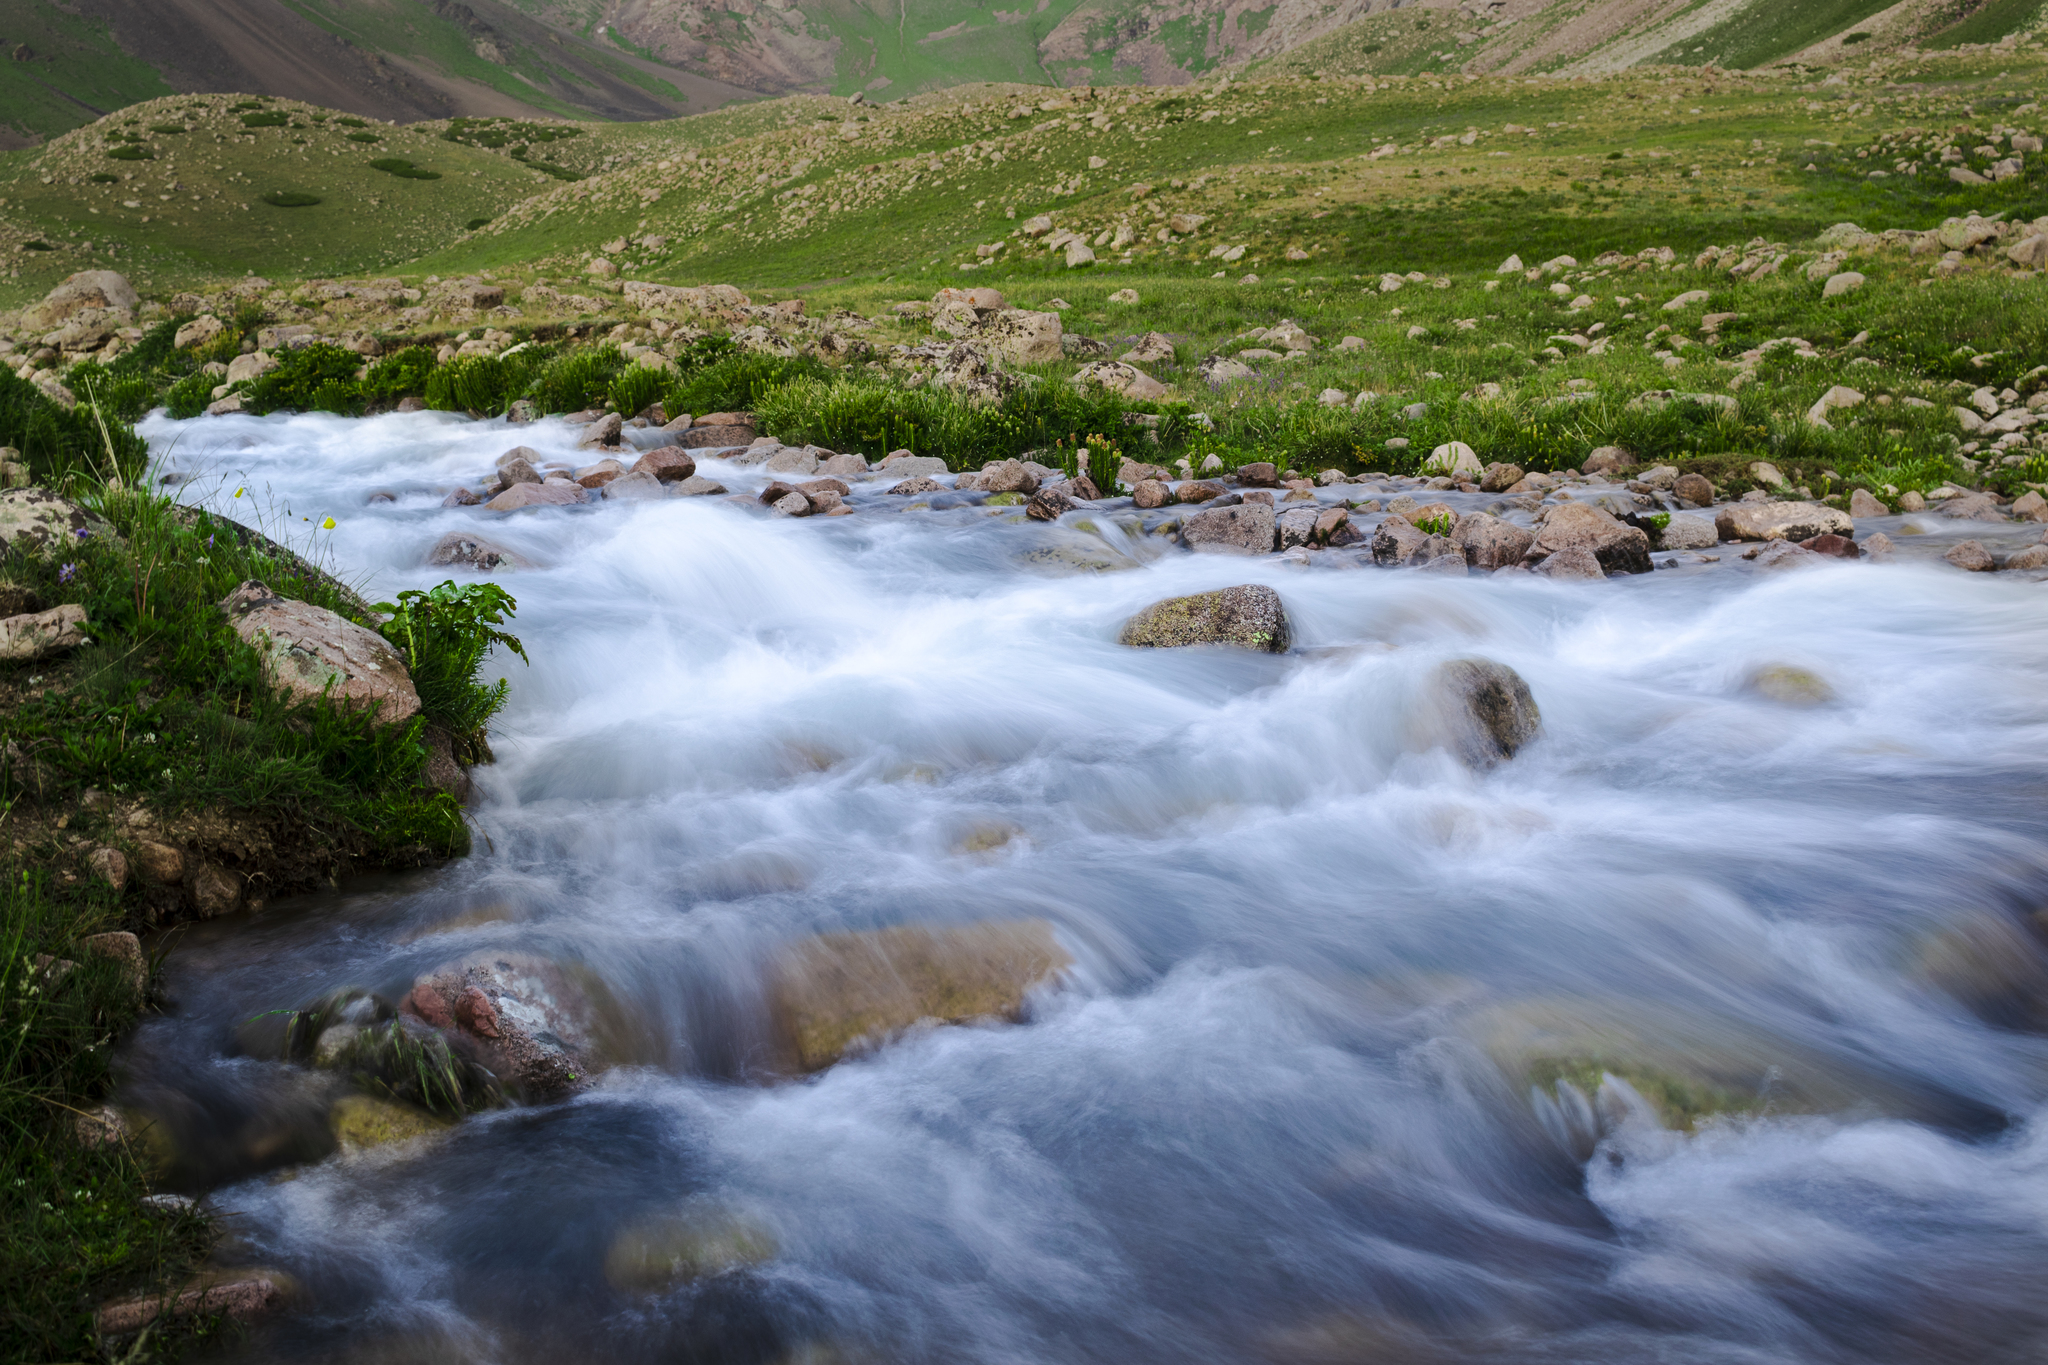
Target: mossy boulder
<point>1249,616</point>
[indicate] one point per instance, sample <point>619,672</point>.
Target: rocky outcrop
<point>104,290</point>
<point>841,993</point>
<point>309,653</point>
<point>1249,616</point>
<point>1780,521</point>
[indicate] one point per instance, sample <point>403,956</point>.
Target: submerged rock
<point>532,1021</point>
<point>1488,712</point>
<point>683,1248</point>
<point>458,549</point>
<point>837,993</point>
<point>1791,686</point>
<point>364,1122</point>
<point>1249,616</point>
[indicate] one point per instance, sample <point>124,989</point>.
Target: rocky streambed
<point>899,930</point>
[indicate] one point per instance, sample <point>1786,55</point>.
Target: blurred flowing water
<point>1278,1108</point>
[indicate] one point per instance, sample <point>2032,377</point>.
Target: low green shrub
<point>402,374</point>
<point>303,379</point>
<point>290,199</point>
<point>578,380</point>
<point>131,151</point>
<point>269,118</point>
<point>739,382</point>
<point>65,446</point>
<point>445,634</point>
<point>636,387</point>
<point>403,169</point>
<point>483,384</point>
<point>364,137</point>
<point>190,396</point>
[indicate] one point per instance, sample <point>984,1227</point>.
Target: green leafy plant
<point>445,634</point>
<point>300,377</point>
<point>636,387</point>
<point>402,374</point>
<point>484,384</point>
<point>579,380</point>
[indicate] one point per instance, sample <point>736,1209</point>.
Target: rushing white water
<point>1271,1113</point>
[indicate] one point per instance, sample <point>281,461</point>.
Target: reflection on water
<point>1705,1030</point>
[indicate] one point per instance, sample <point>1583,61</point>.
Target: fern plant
<point>444,633</point>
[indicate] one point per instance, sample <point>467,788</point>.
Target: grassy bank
<point>164,728</point>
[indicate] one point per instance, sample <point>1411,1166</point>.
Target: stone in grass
<point>1249,616</point>
<point>1863,503</point>
<point>1696,489</point>
<point>310,653</point>
<point>240,1295</point>
<point>837,994</point>
<point>39,634</point>
<point>34,521</point>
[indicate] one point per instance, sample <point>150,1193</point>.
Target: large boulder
<point>1483,709</point>
<point>1019,336</point>
<point>35,521</point>
<point>88,289</point>
<point>1128,380</point>
<point>1007,476</point>
<point>1397,542</point>
<point>716,437</point>
<point>309,652</point>
<point>1246,529</point>
<point>1249,616</point>
<point>1489,543</point>
<point>1780,521</point>
<point>1618,548</point>
<point>841,993</point>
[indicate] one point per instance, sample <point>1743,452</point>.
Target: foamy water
<point>1275,1111</point>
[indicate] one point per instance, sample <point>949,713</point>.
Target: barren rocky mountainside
<point>408,60</point>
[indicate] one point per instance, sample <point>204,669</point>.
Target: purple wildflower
<point>67,573</point>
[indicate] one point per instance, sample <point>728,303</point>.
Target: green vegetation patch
<point>364,137</point>
<point>291,199</point>
<point>267,119</point>
<point>403,169</point>
<point>131,151</point>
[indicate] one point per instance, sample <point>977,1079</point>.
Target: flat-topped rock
<point>1781,521</point>
<point>309,653</point>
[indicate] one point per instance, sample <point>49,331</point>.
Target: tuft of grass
<point>445,634</point>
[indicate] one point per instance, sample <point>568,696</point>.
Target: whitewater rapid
<point>1266,1115</point>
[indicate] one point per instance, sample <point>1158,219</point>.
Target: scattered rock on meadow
<point>1120,378</point>
<point>1846,282</point>
<point>88,289</point>
<point>1246,529</point>
<point>1453,458</point>
<point>311,653</point>
<point>1781,521</point>
<point>837,994</point>
<point>238,1295</point>
<point>1249,616</point>
<point>37,635</point>
<point>34,521</point>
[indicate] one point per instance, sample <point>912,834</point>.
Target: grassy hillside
<point>1352,174</point>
